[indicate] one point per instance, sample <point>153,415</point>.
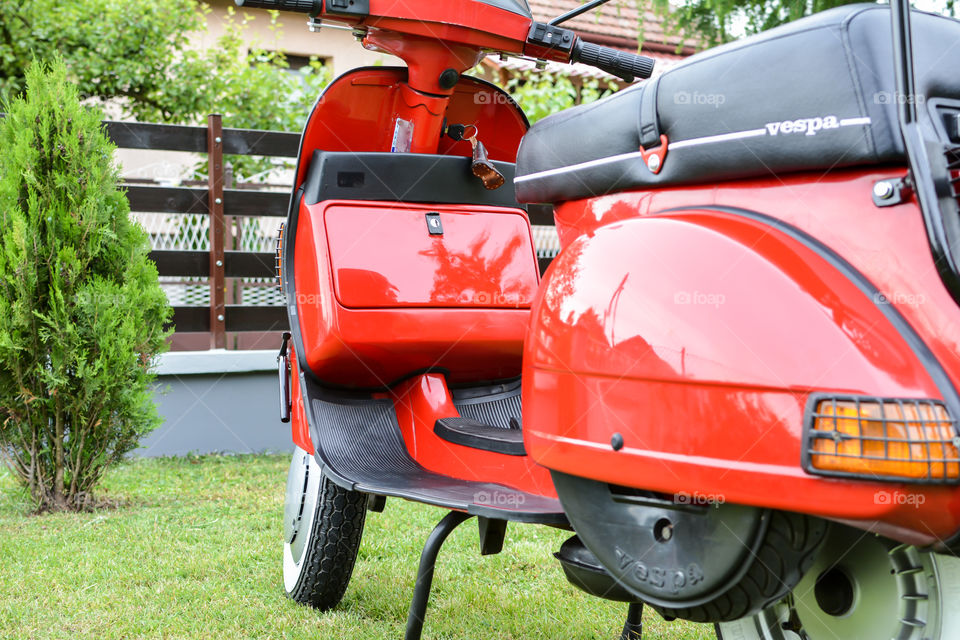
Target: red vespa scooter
<point>738,378</point>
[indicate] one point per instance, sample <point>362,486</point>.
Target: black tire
<point>786,552</point>
<point>317,568</point>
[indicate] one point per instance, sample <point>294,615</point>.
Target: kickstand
<point>633,629</point>
<point>428,558</point>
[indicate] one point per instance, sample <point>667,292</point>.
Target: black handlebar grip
<point>312,7</point>
<point>619,63</point>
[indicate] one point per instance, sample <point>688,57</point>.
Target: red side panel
<point>698,336</point>
<point>299,425</point>
<point>385,257</point>
<point>889,246</point>
<point>375,346</point>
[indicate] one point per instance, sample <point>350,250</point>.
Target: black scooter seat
<point>815,94</point>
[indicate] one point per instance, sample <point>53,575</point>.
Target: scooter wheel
<point>699,562</point>
<point>782,558</point>
<point>322,528</point>
<point>862,587</point>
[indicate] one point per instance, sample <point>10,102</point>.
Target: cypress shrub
<point>81,311</point>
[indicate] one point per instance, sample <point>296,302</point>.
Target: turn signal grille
<point>883,439</point>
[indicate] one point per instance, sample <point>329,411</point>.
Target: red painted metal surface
<point>699,335</point>
<point>889,246</point>
<point>420,402</point>
<point>299,426</point>
<point>426,57</point>
<point>353,114</point>
<point>375,347</point>
<point>382,256</point>
<point>464,22</point>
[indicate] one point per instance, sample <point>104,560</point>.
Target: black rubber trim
<point>477,435</point>
<point>494,391</point>
<point>359,446</point>
<point>403,177</point>
<point>287,279</point>
<point>808,441</point>
<point>312,7</point>
<point>349,8</point>
<point>649,126</point>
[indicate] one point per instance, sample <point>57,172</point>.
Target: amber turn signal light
<point>883,439</point>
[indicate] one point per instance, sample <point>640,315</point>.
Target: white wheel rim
<point>899,592</point>
<point>293,566</point>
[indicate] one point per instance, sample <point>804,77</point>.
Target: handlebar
<point>622,64</point>
<point>299,6</point>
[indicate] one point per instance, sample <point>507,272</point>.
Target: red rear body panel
<point>698,335</point>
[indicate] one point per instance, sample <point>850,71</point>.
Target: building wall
<point>335,45</point>
<point>217,402</point>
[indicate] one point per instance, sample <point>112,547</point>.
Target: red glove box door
<point>396,255</point>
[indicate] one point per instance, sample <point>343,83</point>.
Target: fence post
<point>218,286</point>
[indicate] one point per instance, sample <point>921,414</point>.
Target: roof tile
<point>616,20</point>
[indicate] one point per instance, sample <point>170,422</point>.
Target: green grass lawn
<point>194,552</point>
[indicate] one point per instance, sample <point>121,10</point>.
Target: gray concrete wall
<point>217,402</point>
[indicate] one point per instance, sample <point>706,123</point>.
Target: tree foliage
<point>715,21</point>
<point>140,56</point>
<point>81,310</point>
<point>541,93</point>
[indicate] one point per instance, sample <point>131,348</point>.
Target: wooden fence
<point>218,203</point>
<point>220,317</point>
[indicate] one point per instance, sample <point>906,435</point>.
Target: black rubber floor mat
<point>495,409</point>
<point>359,443</point>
